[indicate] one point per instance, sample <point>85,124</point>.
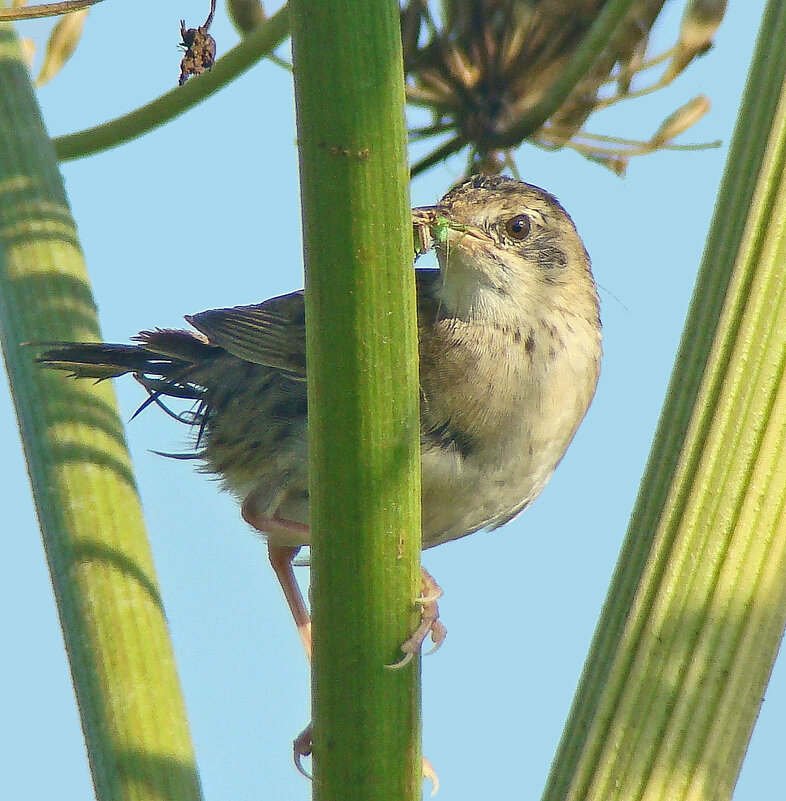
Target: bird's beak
<point>424,215</point>
<point>433,226</point>
<point>424,219</point>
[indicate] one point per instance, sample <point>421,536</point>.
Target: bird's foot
<point>430,774</point>
<point>430,624</point>
<point>302,747</point>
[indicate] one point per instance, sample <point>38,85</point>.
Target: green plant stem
<point>105,587</point>
<point>240,58</point>
<point>445,150</point>
<point>45,10</point>
<point>363,397</point>
<point>695,614</point>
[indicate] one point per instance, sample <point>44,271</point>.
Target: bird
<point>509,338</point>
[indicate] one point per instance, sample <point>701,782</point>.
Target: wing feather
<point>272,333</point>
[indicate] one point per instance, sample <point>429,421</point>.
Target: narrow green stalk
<point>453,145</point>
<point>266,38</point>
<point>107,596</point>
<point>696,611</point>
<point>363,397</point>
<point>45,10</point>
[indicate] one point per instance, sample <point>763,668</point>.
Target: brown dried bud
<point>200,53</point>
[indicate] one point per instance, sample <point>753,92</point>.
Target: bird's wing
<point>272,333</point>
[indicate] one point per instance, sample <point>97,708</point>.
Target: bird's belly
<point>468,484</point>
<point>462,495</point>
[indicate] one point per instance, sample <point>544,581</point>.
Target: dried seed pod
<point>200,51</point>
<point>199,46</point>
<point>680,120</point>
<point>700,22</point>
<point>62,44</point>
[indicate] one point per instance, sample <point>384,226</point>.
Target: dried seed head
<point>199,46</point>
<point>200,53</point>
<point>485,69</point>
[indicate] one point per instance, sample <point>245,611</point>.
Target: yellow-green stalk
<point>696,610</point>
<point>123,669</point>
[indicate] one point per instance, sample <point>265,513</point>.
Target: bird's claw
<point>430,625</point>
<point>430,774</point>
<point>301,747</point>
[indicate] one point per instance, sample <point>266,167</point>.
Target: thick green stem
<point>697,607</point>
<point>107,596</point>
<point>363,396</point>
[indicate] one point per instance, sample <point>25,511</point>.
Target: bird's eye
<point>518,227</point>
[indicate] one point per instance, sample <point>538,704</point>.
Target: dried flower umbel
<point>487,68</point>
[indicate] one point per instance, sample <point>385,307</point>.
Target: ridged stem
<point>696,610</point>
<point>363,397</point>
<point>107,595</point>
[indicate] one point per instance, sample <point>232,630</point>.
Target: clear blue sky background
<point>496,695</point>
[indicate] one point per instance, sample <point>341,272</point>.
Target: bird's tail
<point>163,361</point>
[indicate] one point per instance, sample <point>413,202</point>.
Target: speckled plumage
<point>509,360</point>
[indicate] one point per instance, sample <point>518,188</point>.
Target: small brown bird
<point>510,348</point>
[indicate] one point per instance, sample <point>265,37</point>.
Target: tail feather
<point>176,344</point>
<point>95,360</point>
<point>161,360</point>
<point>164,362</point>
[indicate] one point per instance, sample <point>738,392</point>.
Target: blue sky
<point>496,695</point>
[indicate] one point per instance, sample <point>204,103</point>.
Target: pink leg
<point>301,747</point>
<point>281,557</point>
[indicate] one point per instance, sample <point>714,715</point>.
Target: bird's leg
<point>301,747</point>
<point>281,557</point>
<point>430,624</point>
